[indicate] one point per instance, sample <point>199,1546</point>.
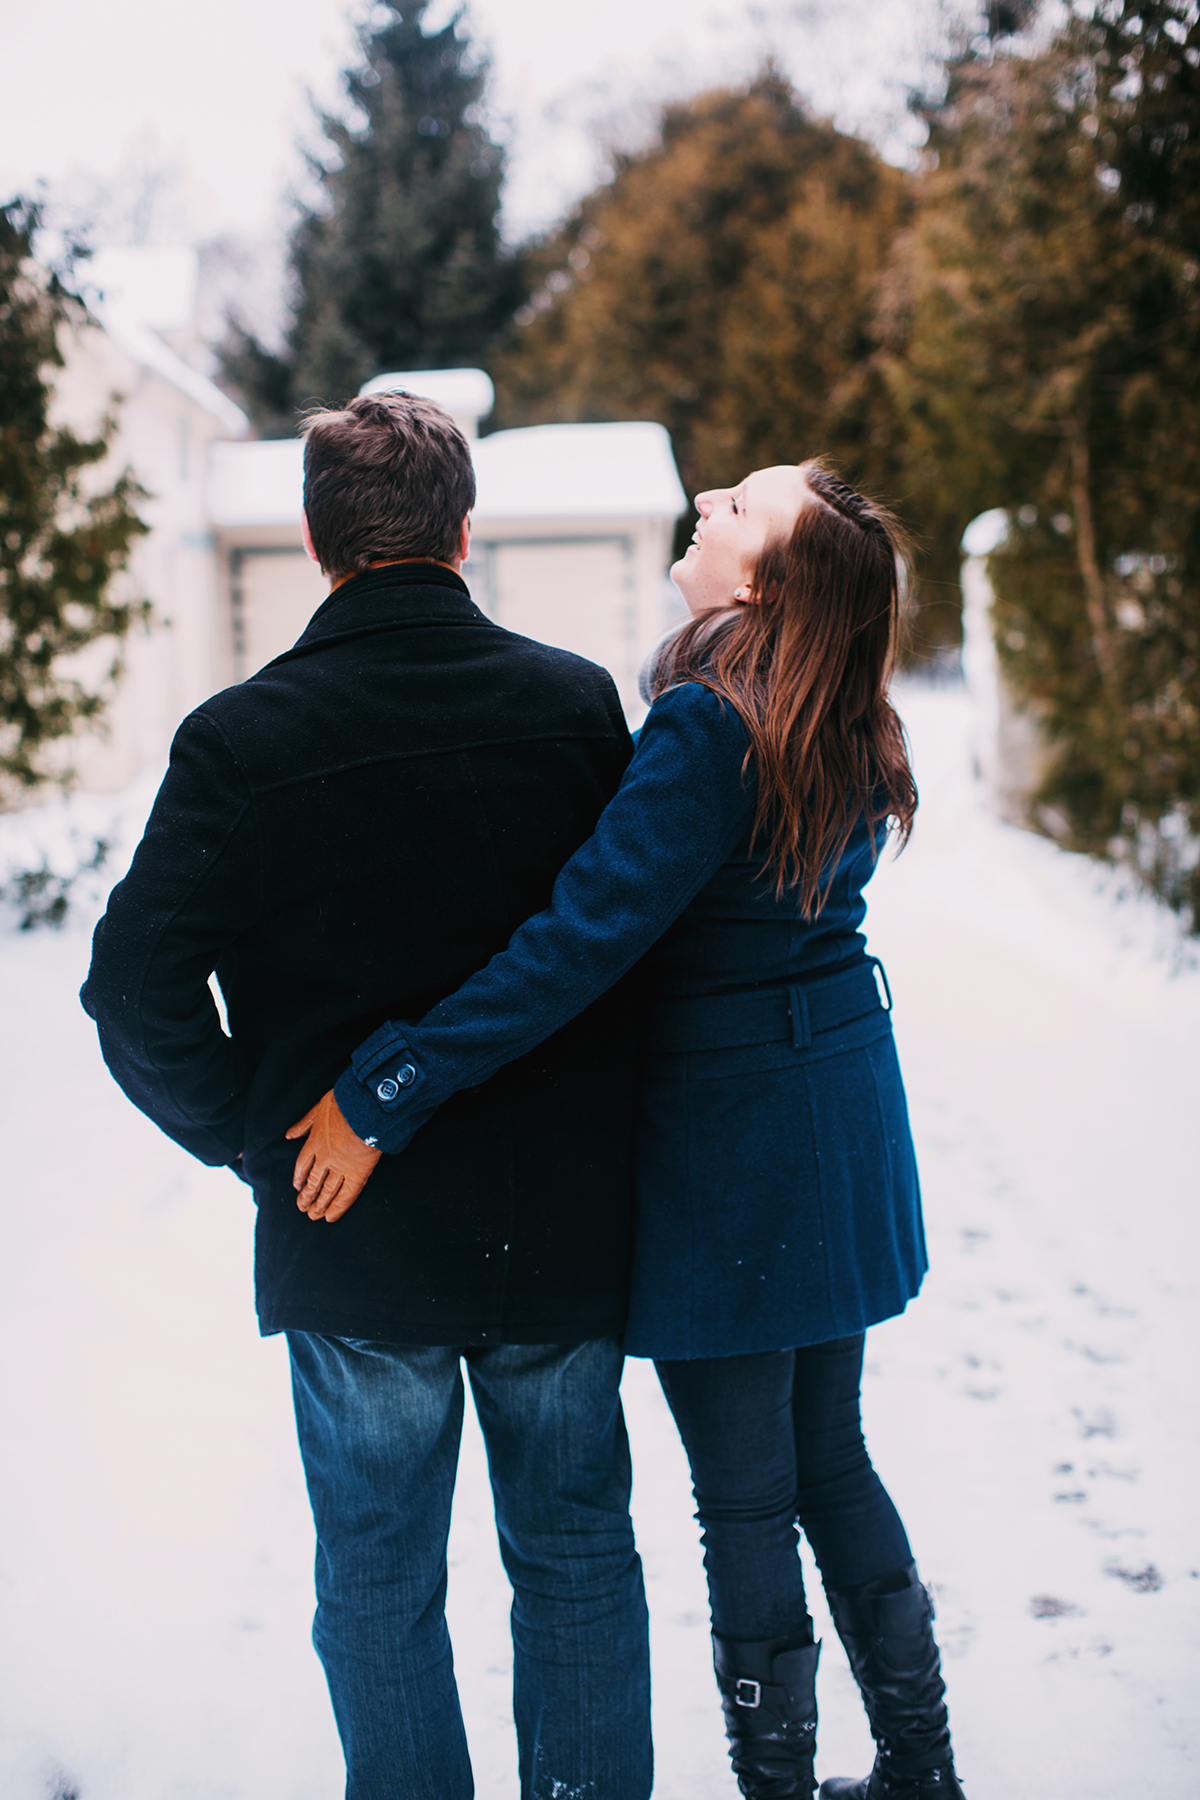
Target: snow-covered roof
<point>148,350</point>
<point>578,471</point>
<point>540,472</point>
<point>136,291</point>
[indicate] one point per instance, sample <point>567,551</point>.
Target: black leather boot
<point>887,1628</point>
<point>769,1697</point>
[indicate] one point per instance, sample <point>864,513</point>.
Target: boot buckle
<point>747,1693</point>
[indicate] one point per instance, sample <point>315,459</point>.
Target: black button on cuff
<point>388,1089</point>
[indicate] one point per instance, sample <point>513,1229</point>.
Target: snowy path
<point>1034,1414</point>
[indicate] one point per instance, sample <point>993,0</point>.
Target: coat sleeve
<point>681,807</point>
<point>192,887</point>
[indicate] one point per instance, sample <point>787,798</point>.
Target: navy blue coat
<point>776,1197</point>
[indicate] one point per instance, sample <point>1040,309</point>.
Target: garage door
<point>274,594</point>
<point>576,596</point>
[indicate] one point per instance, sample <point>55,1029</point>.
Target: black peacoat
<point>345,837</point>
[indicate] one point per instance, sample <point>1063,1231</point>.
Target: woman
<point>777,1209</point>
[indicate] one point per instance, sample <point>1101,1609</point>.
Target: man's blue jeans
<point>379,1429</point>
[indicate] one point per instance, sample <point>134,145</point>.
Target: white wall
<point>594,586</point>
<point>269,591</point>
<point>1008,750</point>
<point>164,436</point>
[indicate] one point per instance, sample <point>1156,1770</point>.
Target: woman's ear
<point>308,543</point>
<point>745,596</point>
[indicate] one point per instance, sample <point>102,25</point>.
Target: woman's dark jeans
<point>774,1441</point>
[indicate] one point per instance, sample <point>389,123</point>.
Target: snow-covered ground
<point>1034,1414</point>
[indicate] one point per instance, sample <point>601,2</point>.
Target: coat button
<point>406,1074</point>
<point>388,1089</point>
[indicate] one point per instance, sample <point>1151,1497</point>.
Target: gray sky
<point>218,93</point>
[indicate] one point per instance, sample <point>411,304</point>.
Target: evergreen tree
<point>62,539</point>
<point>1047,358</point>
<point>724,283</point>
<point>400,264</point>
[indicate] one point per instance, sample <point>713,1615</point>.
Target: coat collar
<point>424,593</point>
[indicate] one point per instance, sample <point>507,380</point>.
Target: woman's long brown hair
<point>807,669</point>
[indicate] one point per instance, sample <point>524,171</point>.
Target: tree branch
<point>1085,546</point>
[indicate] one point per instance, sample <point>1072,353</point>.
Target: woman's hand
<point>333,1165</point>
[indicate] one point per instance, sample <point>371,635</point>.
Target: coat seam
<point>920,1244</point>
<point>420,753</point>
<point>485,818</point>
<point>691,1210</point>
<point>822,1207</point>
<point>249,805</point>
<point>192,889</point>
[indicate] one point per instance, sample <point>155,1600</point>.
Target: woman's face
<point>736,525</point>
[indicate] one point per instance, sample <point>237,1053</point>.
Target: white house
<point>168,419</point>
<point>571,533</point>
<point>570,537</point>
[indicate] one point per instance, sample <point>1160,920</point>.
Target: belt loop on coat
<point>801,1029</point>
<point>881,982</point>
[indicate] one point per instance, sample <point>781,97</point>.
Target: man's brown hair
<point>386,478</point>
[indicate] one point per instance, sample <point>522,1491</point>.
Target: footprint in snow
<point>1142,1581</point>
<point>974,1239</point>
<point>1098,1423</point>
<point>1048,1606</point>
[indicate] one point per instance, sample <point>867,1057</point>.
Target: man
<point>343,838</point>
